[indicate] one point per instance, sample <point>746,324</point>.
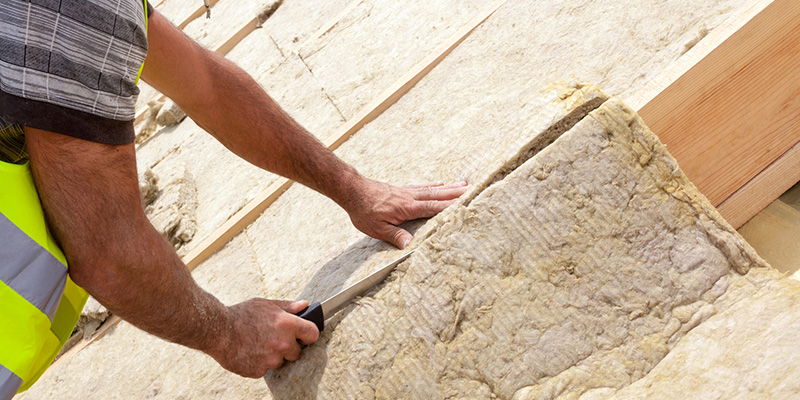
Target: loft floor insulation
<point>595,269</point>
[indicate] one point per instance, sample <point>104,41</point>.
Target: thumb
<point>292,307</point>
<point>399,237</point>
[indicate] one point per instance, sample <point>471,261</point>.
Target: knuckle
<point>277,345</point>
<point>312,333</point>
<point>285,348</point>
<point>283,323</point>
<point>431,206</point>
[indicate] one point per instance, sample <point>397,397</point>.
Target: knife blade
<point>318,312</point>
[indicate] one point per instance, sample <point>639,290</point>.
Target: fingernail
<point>463,183</point>
<point>406,242</point>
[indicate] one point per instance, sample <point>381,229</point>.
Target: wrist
<point>217,341</point>
<point>348,188</point>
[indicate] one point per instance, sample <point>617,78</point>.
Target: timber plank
<point>736,110</point>
<point>763,189</point>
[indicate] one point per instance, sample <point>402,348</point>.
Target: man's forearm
<point>90,194</point>
<point>165,300</point>
<point>252,125</point>
<point>229,104</point>
<point>225,101</point>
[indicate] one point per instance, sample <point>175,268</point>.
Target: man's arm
<point>90,195</point>
<point>225,101</point>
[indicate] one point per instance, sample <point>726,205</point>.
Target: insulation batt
<point>594,269</point>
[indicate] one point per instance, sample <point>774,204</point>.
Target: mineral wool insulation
<point>587,268</point>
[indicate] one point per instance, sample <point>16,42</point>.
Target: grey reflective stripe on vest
<point>9,383</point>
<point>29,269</point>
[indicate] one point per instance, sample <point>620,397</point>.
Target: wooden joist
<point>198,12</point>
<point>728,112</point>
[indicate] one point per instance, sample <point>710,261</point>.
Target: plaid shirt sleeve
<point>70,66</point>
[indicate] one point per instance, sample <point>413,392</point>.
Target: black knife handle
<point>313,313</point>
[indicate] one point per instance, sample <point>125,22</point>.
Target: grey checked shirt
<point>69,66</point>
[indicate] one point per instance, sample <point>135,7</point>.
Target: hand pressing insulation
<point>380,208</point>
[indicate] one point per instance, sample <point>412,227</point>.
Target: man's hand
<point>379,208</point>
<point>263,333</point>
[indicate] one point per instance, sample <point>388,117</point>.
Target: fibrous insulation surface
<point>572,276</point>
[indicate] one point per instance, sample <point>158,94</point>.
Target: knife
<point>318,312</point>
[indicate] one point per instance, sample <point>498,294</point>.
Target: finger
<point>292,307</point>
<point>429,184</point>
<point>306,332</point>
<point>398,237</point>
<point>457,184</point>
<point>429,208</point>
<point>440,193</point>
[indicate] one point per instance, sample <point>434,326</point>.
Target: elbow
<point>91,272</point>
<point>98,268</point>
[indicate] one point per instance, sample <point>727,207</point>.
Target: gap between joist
<point>255,207</point>
<point>762,190</point>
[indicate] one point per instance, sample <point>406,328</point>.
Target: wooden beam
<point>697,53</point>
<point>236,223</point>
<point>734,112</point>
<point>762,190</point>
<point>248,28</point>
<point>408,80</point>
<point>197,13</point>
<point>255,207</point>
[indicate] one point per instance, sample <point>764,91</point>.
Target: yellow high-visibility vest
<point>39,304</point>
